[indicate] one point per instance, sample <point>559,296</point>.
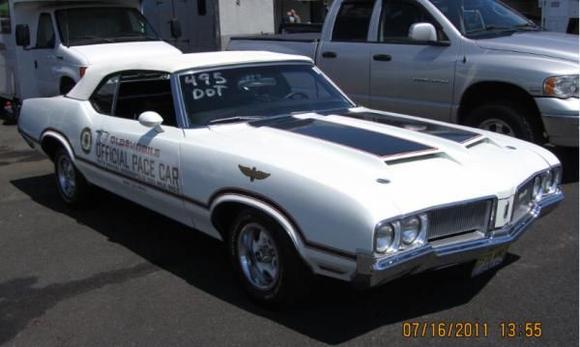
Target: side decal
<point>86,140</point>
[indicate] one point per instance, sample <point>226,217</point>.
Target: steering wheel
<point>296,96</point>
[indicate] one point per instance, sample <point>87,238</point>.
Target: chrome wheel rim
<point>258,256</point>
<point>498,126</point>
<point>66,176</point>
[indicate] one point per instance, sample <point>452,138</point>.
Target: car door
<point>45,58</point>
<point>407,76</point>
<point>143,161</point>
<point>345,57</point>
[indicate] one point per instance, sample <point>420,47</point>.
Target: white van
<point>46,46</point>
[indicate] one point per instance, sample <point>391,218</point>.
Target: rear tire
<point>266,261</point>
<point>71,184</point>
<point>506,118</point>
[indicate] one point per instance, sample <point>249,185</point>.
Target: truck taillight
<point>82,70</point>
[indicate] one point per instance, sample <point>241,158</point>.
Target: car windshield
<point>85,26</point>
<point>252,92</point>
<point>477,18</point>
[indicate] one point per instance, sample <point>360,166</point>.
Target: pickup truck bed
<point>298,43</point>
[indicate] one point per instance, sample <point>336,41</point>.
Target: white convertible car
<point>263,151</point>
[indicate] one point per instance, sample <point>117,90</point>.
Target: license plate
<point>489,260</point>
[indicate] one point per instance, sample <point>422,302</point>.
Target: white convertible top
<point>173,63</point>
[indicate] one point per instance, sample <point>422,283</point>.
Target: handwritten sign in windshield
<point>207,85</point>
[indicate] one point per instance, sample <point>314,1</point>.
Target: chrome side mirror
<point>151,119</point>
<point>423,32</point>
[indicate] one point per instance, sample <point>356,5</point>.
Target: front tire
<point>71,184</point>
<point>266,261</point>
<point>506,118</point>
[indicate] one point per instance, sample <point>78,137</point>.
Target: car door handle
<point>382,57</point>
<point>36,64</point>
<point>328,54</point>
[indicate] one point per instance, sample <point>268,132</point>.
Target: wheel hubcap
<point>66,176</point>
<point>498,126</point>
<point>258,256</point>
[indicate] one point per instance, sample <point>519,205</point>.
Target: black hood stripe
<point>445,132</point>
<point>361,139</point>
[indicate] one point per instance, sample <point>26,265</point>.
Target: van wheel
<point>72,186</point>
<point>506,118</point>
<point>66,85</point>
<point>266,261</point>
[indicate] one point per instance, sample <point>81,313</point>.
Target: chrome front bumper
<point>372,271</point>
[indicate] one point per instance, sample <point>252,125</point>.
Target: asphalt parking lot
<point>117,274</point>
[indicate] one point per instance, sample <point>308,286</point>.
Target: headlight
<point>547,182</point>
<point>384,237</point>
<point>537,190</point>
<point>557,178</point>
<point>410,228</point>
<point>561,86</point>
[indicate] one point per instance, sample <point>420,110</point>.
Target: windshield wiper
<point>232,119</point>
<point>491,28</point>
<point>90,39</point>
<point>527,26</point>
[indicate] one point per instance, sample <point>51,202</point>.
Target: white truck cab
<point>46,46</point>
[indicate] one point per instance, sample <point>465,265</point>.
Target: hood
<point>550,44</point>
<point>369,155</point>
<point>94,54</point>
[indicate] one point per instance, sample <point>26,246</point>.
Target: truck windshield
<point>252,92</point>
<point>481,18</point>
<point>85,26</point>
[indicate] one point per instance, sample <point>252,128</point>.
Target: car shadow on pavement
<point>569,158</point>
<point>332,313</point>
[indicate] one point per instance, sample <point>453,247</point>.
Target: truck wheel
<point>71,184</point>
<point>265,260</point>
<point>506,118</point>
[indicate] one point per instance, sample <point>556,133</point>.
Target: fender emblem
<point>86,140</point>
<point>253,173</point>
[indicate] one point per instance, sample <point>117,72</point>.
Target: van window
<point>352,21</point>
<point>5,26</point>
<point>145,91</point>
<point>94,25</point>
<point>45,32</point>
<point>102,98</point>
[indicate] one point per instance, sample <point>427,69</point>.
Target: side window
<point>397,18</point>
<point>45,32</point>
<point>352,21</point>
<point>140,92</point>
<point>5,27</point>
<point>102,98</point>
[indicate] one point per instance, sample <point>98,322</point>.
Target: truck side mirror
<point>175,27</point>
<point>22,35</point>
<point>424,32</point>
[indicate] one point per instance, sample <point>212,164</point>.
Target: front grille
<point>459,219</point>
<point>523,201</point>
